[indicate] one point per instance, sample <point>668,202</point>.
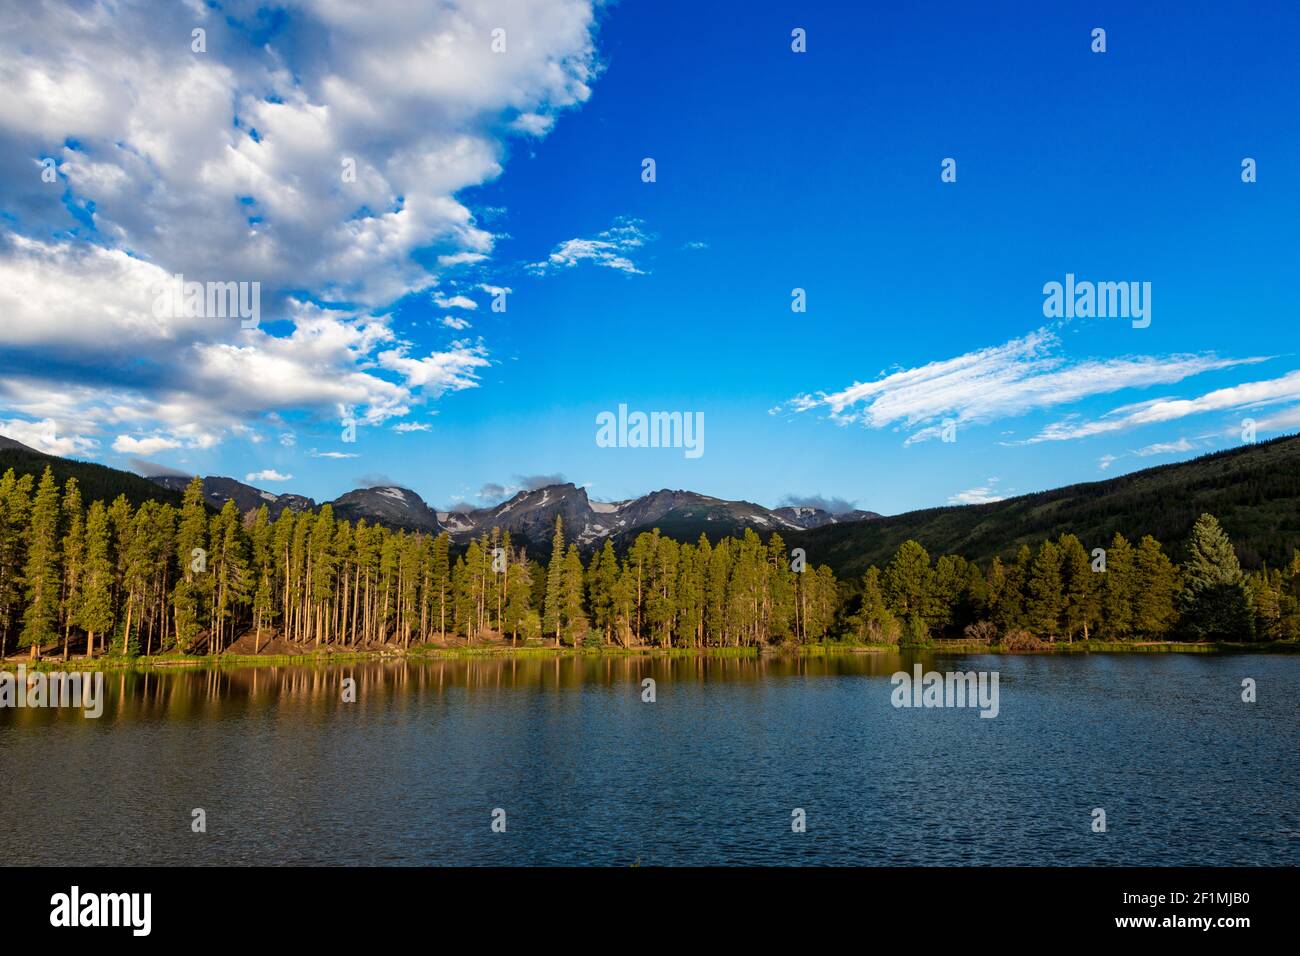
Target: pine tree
<point>1080,604</point>
<point>1044,603</point>
<point>41,573</point>
<point>15,506</point>
<point>138,561</point>
<point>1214,600</point>
<point>230,570</point>
<point>575,622</point>
<point>519,607</point>
<point>1011,610</point>
<point>74,557</point>
<point>690,596</point>
<point>1118,584</point>
<point>602,580</point>
<point>1156,585</point>
<point>908,582</point>
<point>718,576</point>
<point>95,615</point>
<point>262,572</point>
<point>947,585</point>
<point>191,554</point>
<point>440,575</point>
<point>553,608</point>
<point>874,622</point>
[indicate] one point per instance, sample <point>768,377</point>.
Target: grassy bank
<point>432,652</point>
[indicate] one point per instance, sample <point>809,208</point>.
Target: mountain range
<point>1254,490</point>
<point>530,515</point>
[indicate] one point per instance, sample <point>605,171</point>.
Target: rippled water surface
<point>709,773</point>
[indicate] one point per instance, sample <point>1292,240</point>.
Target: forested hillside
<point>109,577</point>
<point>1253,490</point>
<point>96,481</point>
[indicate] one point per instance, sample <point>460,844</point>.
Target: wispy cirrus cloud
<point>611,249</point>
<point>1165,448</point>
<point>1246,396</point>
<point>1020,376</point>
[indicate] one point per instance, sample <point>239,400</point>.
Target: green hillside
<point>98,482</point>
<point>1253,490</point>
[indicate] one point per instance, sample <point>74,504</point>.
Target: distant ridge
<point>98,482</point>
<point>217,491</point>
<point>1253,490</point>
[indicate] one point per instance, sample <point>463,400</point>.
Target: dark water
<point>708,774</point>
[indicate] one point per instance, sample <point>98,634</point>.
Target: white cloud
<point>170,141</point>
<point>977,496</point>
<point>1284,421</point>
<point>1248,395</point>
<point>1165,448</point>
<point>412,427</point>
<point>453,370</point>
<point>267,474</point>
<point>455,322</point>
<point>610,249</point>
<point>190,380</point>
<point>44,436</point>
<point>454,302</point>
<point>333,454</point>
<point>228,166</point>
<point>1015,378</point>
<point>128,445</point>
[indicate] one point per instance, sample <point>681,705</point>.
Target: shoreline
<point>424,653</point>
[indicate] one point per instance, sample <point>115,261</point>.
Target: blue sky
<point>775,170</point>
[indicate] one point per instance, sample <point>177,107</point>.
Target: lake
<point>711,772</point>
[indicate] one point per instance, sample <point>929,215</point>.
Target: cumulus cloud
<point>412,427</point>
<point>266,474</point>
<point>45,436</point>
<point>1020,376</point>
<point>454,302</point>
<point>983,495</point>
<point>151,445</point>
<point>178,150</point>
<point>315,154</point>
